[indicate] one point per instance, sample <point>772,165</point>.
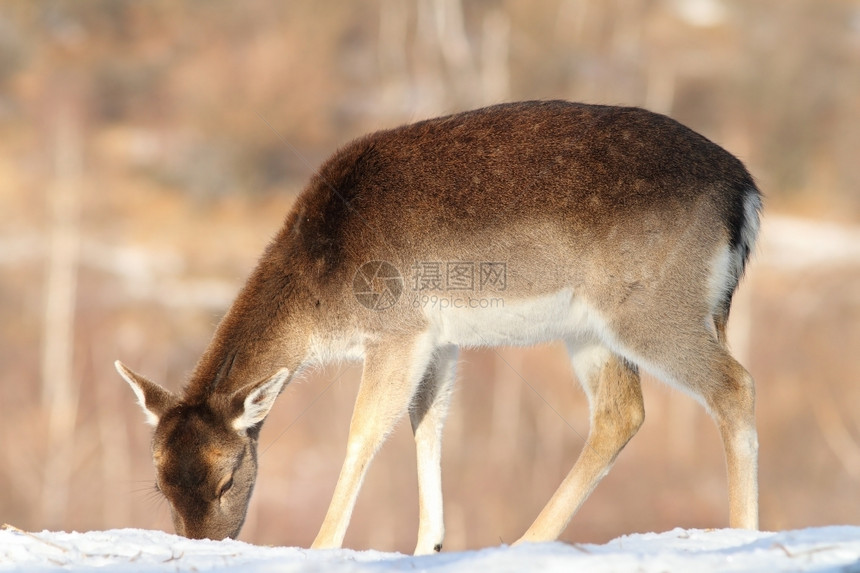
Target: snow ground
<point>835,548</point>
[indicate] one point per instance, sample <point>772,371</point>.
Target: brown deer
<point>619,231</point>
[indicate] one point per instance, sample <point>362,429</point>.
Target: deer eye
<point>225,487</point>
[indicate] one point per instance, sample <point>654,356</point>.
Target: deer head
<point>205,453</point>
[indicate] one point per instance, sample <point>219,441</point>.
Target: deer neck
<point>264,330</point>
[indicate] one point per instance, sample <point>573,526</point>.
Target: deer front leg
<point>427,414</point>
<point>388,383</point>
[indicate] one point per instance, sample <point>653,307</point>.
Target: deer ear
<point>153,399</point>
<point>252,403</point>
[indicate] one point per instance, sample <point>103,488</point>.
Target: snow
<point>835,548</point>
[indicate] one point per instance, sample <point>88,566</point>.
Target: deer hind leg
<point>731,402</point>
<point>617,411</point>
<point>699,363</point>
<point>388,383</point>
<point>427,414</point>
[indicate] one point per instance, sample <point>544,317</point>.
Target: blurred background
<point>149,150</point>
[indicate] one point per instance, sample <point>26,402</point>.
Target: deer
<point>618,231</point>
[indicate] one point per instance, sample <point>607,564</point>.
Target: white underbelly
<point>505,322</point>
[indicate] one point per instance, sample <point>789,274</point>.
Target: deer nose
<point>181,528</point>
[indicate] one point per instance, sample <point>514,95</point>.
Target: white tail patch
<point>725,268</point>
<point>749,232</point>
